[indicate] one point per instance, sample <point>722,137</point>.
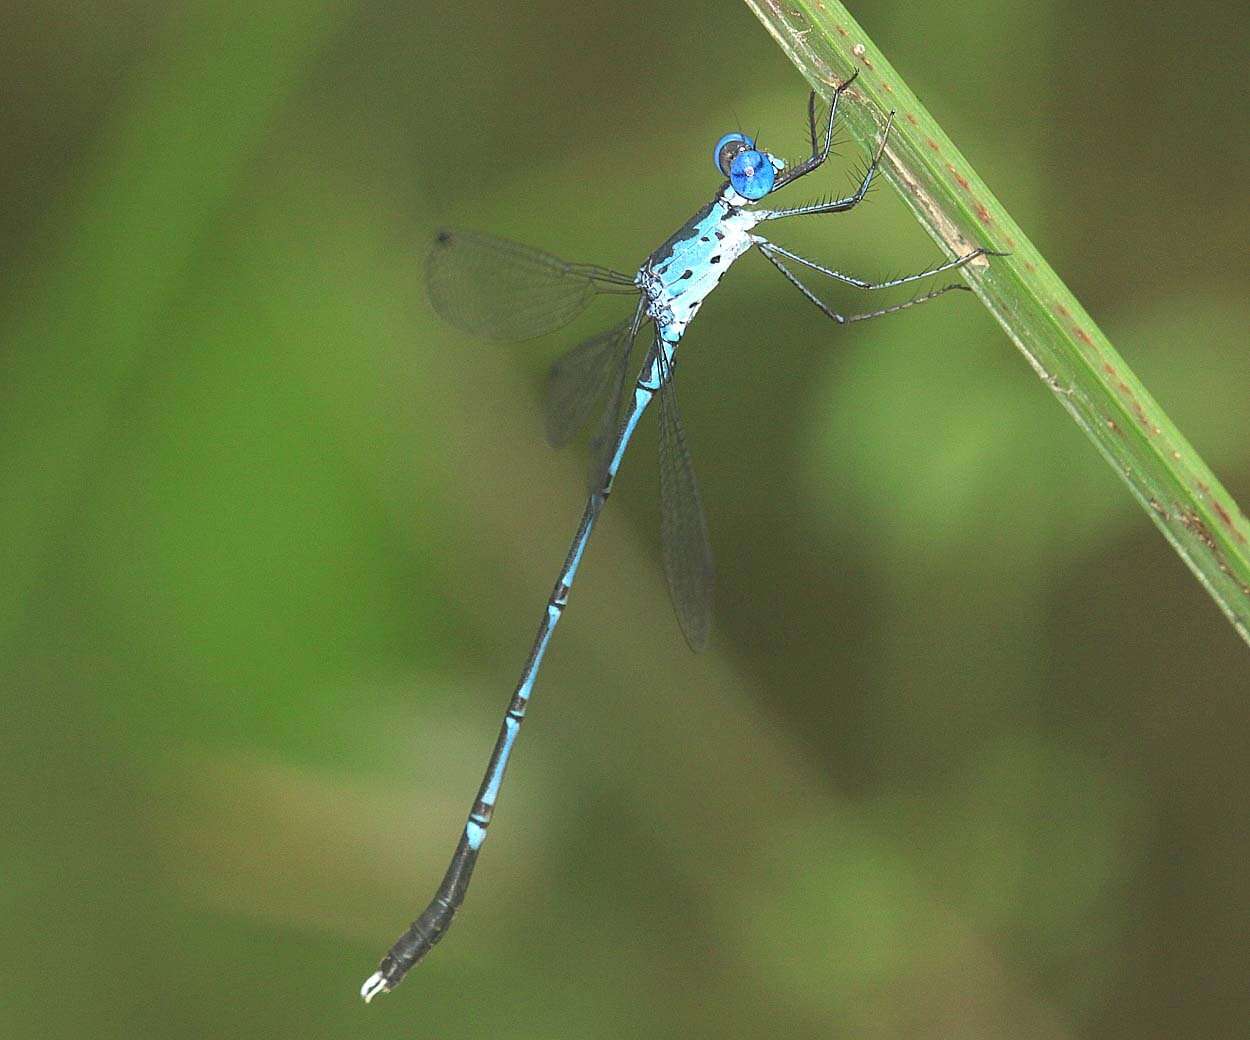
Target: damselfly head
<point>750,171</point>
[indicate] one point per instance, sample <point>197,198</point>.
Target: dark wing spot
<point>687,274</point>
<point>444,236</point>
<point>719,234</point>
<point>715,259</point>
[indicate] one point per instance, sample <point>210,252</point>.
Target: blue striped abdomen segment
<point>653,374</point>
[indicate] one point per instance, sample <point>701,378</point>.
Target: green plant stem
<point>1042,317</point>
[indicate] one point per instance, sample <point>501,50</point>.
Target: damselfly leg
<point>847,319</point>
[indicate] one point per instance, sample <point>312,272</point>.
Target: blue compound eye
<point>727,147</point>
<point>752,174</point>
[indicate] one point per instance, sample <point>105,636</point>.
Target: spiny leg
<point>811,121</point>
<point>819,152</point>
<point>846,319</point>
<point>843,204</point>
<point>768,247</point>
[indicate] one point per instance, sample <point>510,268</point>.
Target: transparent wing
<point>683,530</point>
<point>496,289</point>
<point>604,440</point>
<point>581,379</point>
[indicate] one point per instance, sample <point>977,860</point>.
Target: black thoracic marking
<point>687,274</point>
<point>516,716</point>
<point>662,257</point>
<point>559,604</point>
<point>562,594</point>
<point>482,812</point>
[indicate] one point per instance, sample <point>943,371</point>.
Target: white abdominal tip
<point>374,984</point>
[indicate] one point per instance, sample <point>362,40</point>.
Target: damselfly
<point>501,290</point>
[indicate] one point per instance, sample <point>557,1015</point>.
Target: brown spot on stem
<point>1062,311</point>
<point>841,31</point>
<point>1192,522</point>
<point>1227,520</point>
<point>1139,413</point>
<point>912,119</point>
<point>1082,335</point>
<point>983,214</point>
<point>961,180</point>
<point>931,143</point>
<point>946,228</point>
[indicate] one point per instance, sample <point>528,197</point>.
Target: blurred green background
<point>967,757</point>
